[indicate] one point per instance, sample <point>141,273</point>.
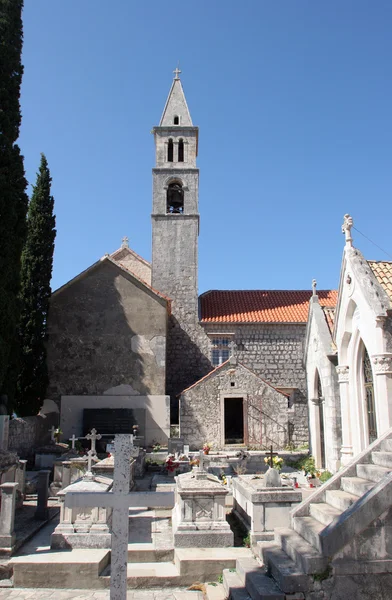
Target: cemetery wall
<point>202,409</point>
<point>106,329</point>
<point>29,433</point>
<point>275,352</point>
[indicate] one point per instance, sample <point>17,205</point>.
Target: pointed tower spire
<point>176,110</point>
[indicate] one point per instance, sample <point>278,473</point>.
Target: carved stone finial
<point>314,285</point>
<point>176,73</point>
<point>125,242</point>
<point>346,229</point>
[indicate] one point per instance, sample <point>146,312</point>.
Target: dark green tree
<point>13,197</point>
<point>37,263</point>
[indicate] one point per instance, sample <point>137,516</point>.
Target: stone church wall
<point>105,330</point>
<point>202,409</point>
<point>275,353</point>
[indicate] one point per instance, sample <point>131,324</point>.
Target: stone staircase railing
<point>355,500</point>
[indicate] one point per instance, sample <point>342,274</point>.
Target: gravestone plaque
<point>175,445</point>
<point>114,420</point>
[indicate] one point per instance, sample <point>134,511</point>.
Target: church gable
<point>134,263</point>
<point>106,328</point>
<point>231,406</point>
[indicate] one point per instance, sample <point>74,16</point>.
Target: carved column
<point>382,368</point>
<point>347,448</point>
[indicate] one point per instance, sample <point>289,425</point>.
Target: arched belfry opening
<point>170,150</point>
<point>369,396</point>
<point>175,198</point>
<point>180,150</point>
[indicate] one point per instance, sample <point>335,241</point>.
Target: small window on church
<point>176,120</point>
<point>175,199</point>
<point>181,150</point>
<point>170,151</point>
<point>220,350</point>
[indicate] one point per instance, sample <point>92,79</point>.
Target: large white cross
<point>93,436</point>
<point>120,499</point>
<point>73,440</point>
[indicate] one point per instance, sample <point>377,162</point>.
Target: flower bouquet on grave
<point>171,464</point>
<point>207,447</point>
<point>277,462</point>
<point>194,462</point>
<point>57,434</point>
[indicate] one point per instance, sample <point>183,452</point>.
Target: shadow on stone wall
<point>186,363</point>
<point>26,434</point>
<point>90,336</point>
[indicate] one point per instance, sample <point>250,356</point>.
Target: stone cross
<point>270,456</point>
<point>348,223</point>
<point>125,242</point>
<point>201,461</point>
<point>120,499</point>
<point>73,440</point>
<point>51,431</point>
<point>93,436</point>
<point>314,285</point>
<point>89,474</point>
<point>176,73</point>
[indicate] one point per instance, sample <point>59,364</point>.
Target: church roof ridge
<point>117,264</point>
<point>130,251</point>
<point>260,306</point>
<point>227,363</point>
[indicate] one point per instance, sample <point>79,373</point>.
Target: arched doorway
<point>370,405</point>
<point>320,404</point>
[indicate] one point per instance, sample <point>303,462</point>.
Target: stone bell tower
<point>175,230</point>
<point>175,216</point>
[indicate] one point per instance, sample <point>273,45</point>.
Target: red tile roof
<point>329,314</point>
<point>383,272</point>
<point>260,306</point>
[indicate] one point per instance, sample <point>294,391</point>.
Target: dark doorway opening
<point>234,421</point>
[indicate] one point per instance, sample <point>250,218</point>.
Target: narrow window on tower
<point>181,150</point>
<point>175,199</point>
<point>170,151</point>
<point>176,120</point>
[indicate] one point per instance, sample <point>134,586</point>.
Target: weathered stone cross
<point>52,430</point>
<point>73,440</point>
<point>119,500</point>
<point>176,73</point>
<point>93,436</point>
<point>201,460</point>
<point>271,454</point>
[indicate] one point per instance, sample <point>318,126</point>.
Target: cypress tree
<point>37,262</point>
<point>13,197</point>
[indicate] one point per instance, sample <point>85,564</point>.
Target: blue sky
<point>293,101</point>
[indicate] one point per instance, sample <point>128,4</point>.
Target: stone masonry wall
<point>28,433</point>
<point>275,353</point>
<point>106,330</point>
<point>202,413</point>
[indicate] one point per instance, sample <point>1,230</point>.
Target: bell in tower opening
<point>175,199</point>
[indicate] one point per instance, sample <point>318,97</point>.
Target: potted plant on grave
<point>57,434</point>
<point>310,471</point>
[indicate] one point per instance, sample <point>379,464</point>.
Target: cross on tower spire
<point>176,73</point>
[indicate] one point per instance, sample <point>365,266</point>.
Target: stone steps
<point>383,459</point>
<point>215,591</point>
<point>371,472</point>
<point>283,569</point>
<point>141,553</point>
<point>153,575</point>
<point>234,586</point>
<point>356,485</point>
<point>340,499</point>
<point>303,554</point>
<point>310,529</point>
<point>324,512</point>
